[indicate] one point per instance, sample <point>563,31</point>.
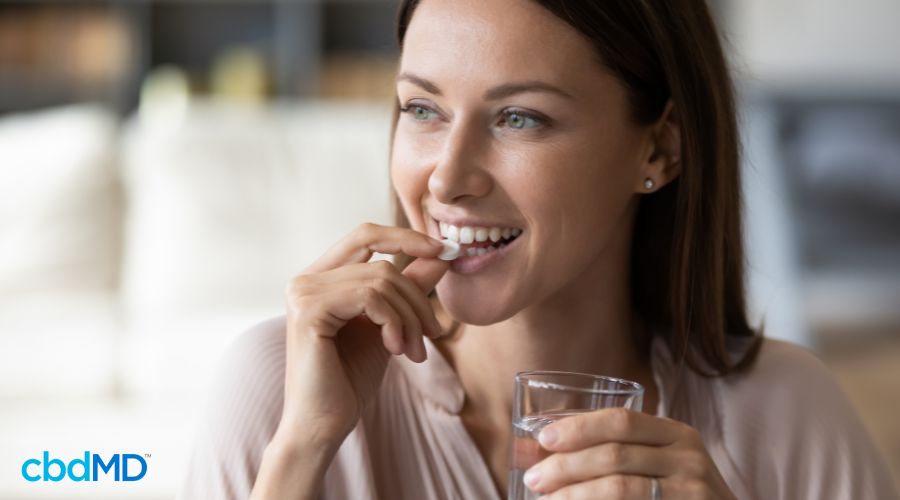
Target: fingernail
<point>435,242</point>
<point>548,437</point>
<point>532,477</point>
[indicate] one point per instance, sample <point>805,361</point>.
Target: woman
<point>590,149</point>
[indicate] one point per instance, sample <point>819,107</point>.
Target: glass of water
<point>543,397</point>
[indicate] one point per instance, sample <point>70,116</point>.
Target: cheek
<point>411,166</point>
<point>592,192</point>
<point>580,192</point>
<point>576,208</point>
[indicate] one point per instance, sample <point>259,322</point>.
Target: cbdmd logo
<point>34,474</point>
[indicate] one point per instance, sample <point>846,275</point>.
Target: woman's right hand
<point>345,317</point>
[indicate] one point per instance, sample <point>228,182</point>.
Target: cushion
<point>225,206</point>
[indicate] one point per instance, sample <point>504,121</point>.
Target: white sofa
<point>131,254</point>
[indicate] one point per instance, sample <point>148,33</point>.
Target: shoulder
<point>252,368</point>
<point>787,387</point>
<point>783,365</point>
<point>262,345</point>
<point>788,417</point>
<point>242,412</point>
<point>249,381</point>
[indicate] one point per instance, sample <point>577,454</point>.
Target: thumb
<point>426,272</point>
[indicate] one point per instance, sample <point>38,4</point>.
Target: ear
<point>663,158</point>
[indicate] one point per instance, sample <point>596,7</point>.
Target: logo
<point>32,470</point>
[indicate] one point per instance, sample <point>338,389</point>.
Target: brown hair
<point>687,275</point>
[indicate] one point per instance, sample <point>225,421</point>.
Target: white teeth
<point>472,252</point>
<point>490,249</point>
<point>501,245</point>
<point>452,233</point>
<point>466,235</point>
<point>482,251</point>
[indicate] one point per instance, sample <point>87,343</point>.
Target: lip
<point>471,265</point>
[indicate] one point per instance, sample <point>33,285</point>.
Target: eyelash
<point>505,114</point>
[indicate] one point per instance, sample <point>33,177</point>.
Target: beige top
<point>783,431</point>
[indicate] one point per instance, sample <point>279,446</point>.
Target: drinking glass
<point>543,397</point>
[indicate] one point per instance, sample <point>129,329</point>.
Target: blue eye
<point>420,112</point>
<point>519,121</point>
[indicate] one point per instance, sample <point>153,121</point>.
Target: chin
<point>474,308</point>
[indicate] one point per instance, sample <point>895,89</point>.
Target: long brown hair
<point>687,275</point>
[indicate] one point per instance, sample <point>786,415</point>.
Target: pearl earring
<point>648,183</point>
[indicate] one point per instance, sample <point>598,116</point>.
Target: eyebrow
<point>493,94</point>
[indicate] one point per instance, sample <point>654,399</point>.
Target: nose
<point>459,173</point>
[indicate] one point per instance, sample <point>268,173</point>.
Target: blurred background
<point>167,165</point>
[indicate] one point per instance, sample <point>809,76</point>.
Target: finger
<point>359,246</point>
<point>411,327</point>
<point>410,291</point>
<point>629,487</point>
<point>325,313</point>
<point>607,425</point>
<point>619,487</point>
<point>413,346</point>
<point>562,469</point>
<point>426,273</point>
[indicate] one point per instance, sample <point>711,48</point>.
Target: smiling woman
<point>581,157</point>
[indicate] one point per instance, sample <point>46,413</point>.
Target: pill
<point>451,250</point>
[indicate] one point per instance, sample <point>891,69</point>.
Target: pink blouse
<point>782,431</point>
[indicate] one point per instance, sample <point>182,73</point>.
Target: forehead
<point>496,41</point>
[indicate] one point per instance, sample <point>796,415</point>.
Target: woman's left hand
<point>610,454</point>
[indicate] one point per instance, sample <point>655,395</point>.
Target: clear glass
<point>543,397</point>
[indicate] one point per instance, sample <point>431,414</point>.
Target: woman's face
<point>511,122</point>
